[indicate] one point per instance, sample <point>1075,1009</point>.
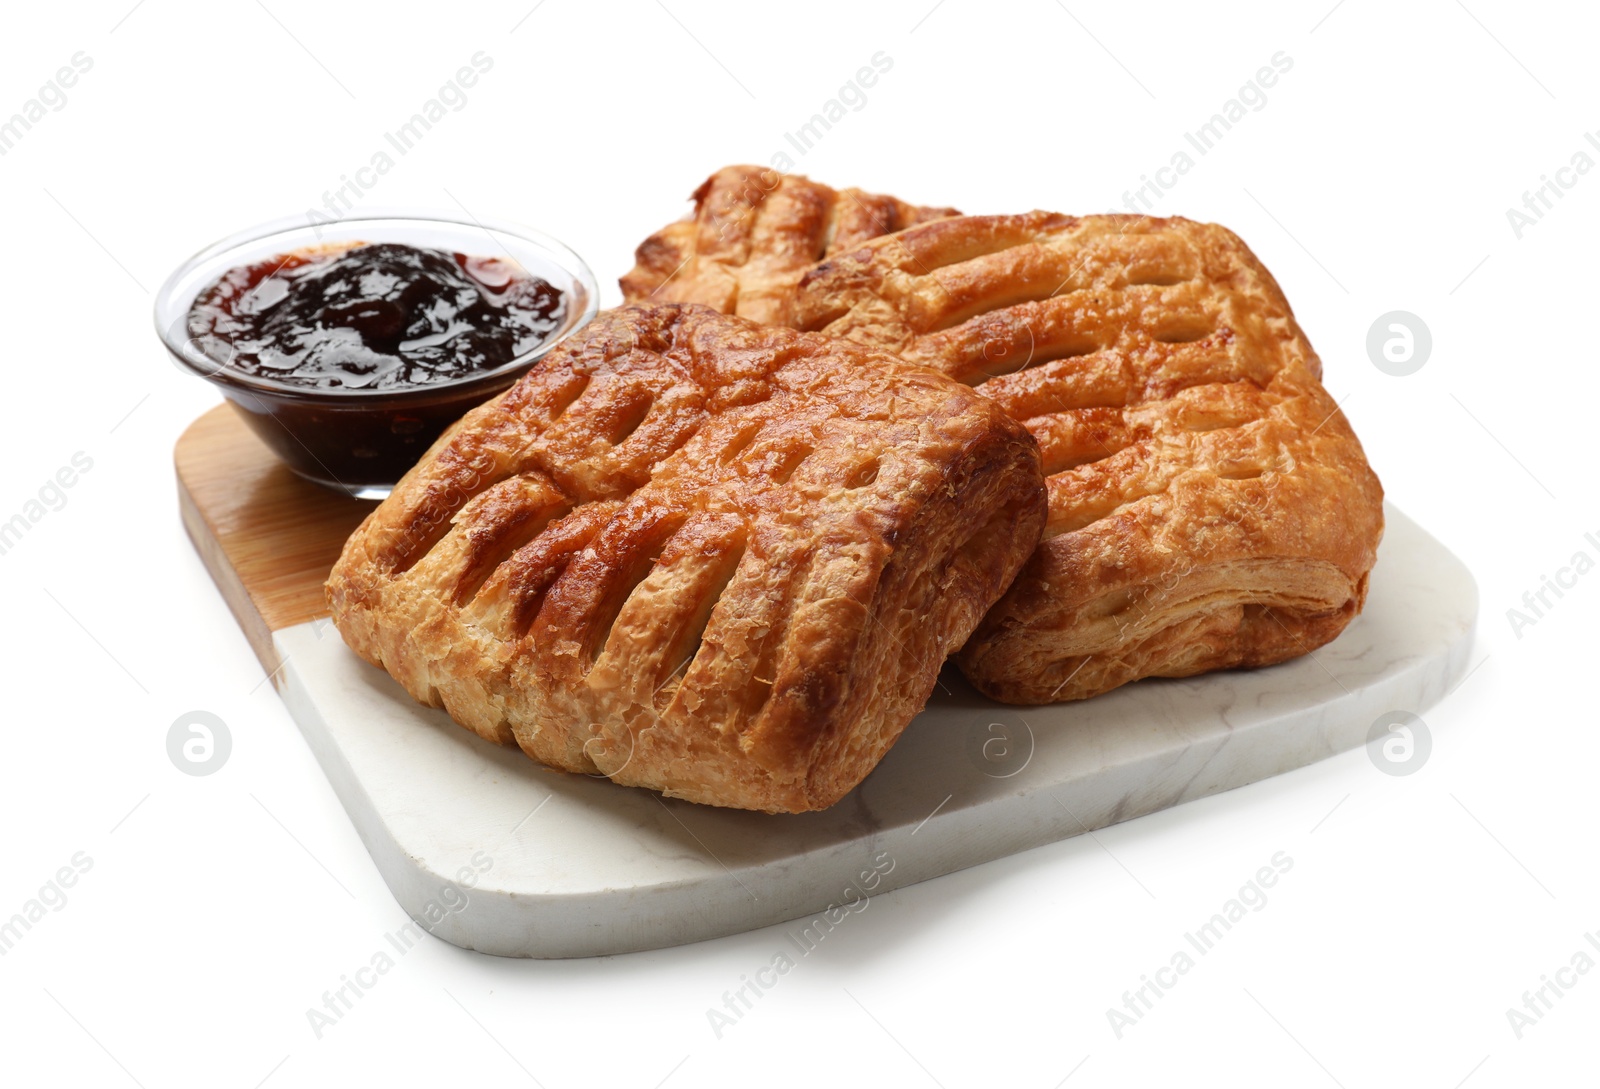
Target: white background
<point>1376,177</point>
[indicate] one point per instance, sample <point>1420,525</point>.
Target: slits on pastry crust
<point>698,555</point>
<point>751,236</point>
<point>1210,506</point>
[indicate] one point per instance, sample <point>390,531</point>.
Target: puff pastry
<point>1210,506</point>
<point>698,555</point>
<point>753,233</point>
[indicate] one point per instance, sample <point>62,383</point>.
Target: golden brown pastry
<point>753,233</point>
<point>1209,505</point>
<point>695,554</point>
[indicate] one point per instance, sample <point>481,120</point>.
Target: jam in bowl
<point>349,347</point>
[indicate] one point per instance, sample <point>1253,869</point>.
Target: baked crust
<point>698,555</point>
<point>1210,506</point>
<point>752,234</point>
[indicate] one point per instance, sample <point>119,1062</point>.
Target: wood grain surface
<point>268,537</point>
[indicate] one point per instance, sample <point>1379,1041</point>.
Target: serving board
<point>490,851</point>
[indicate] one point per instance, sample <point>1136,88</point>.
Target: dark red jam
<point>374,317</point>
<point>370,351</point>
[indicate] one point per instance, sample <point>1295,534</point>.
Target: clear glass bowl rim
<point>169,322</point>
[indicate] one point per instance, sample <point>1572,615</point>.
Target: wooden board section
<point>268,537</point>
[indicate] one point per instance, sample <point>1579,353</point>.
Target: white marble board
<point>492,852</point>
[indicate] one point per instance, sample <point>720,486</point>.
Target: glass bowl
<point>359,441</point>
